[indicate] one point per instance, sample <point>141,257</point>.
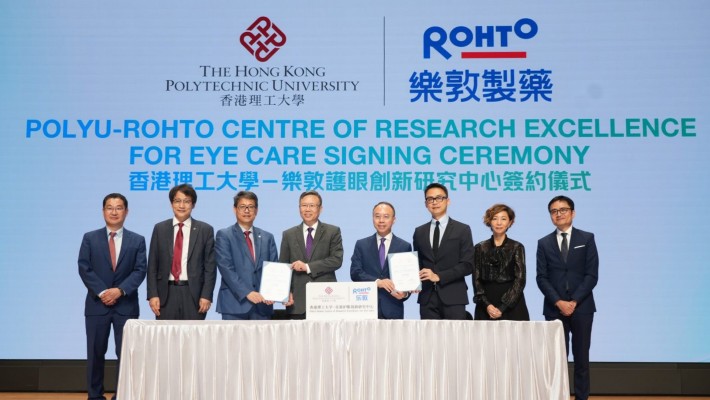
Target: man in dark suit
<point>369,262</point>
<point>445,249</point>
<point>567,271</point>
<point>112,264</point>
<point>181,262</point>
<point>241,251</point>
<point>313,248</point>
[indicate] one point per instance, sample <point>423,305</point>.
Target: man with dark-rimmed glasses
<point>567,271</point>
<point>445,249</point>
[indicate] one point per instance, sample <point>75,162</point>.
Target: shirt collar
<point>187,222</point>
<point>442,221</point>
<point>119,232</point>
<point>388,237</point>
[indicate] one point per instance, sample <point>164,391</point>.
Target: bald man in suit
<point>313,259</point>
<point>366,265</point>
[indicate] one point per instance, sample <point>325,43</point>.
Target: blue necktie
<point>382,253</point>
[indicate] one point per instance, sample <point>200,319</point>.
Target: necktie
<point>249,244</point>
<point>382,253</point>
<point>177,254</point>
<point>112,250</point>
<point>309,243</point>
<point>435,242</point>
<point>564,248</point>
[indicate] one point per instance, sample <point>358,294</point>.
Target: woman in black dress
<point>499,270</point>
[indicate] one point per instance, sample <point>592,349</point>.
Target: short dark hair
<point>311,193</point>
<point>384,203</point>
<point>436,185</point>
<point>246,194</point>
<point>495,209</point>
<point>566,199</point>
<point>116,196</point>
<point>185,189</point>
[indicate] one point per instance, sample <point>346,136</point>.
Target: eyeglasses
<point>186,202</point>
<point>249,208</point>
<point>560,211</point>
<point>437,199</point>
<point>309,206</point>
<point>112,209</point>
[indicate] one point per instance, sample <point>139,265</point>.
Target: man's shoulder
<point>422,227</point>
<point>576,231</point>
<point>202,224</point>
<point>458,224</point>
<point>363,241</point>
<point>96,233</point>
<point>293,230</point>
<point>549,238</point>
<point>229,230</point>
<point>328,227</point>
<point>130,235</point>
<point>263,233</point>
<point>396,240</point>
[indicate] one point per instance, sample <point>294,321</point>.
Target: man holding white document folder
<point>241,251</point>
<point>369,262</point>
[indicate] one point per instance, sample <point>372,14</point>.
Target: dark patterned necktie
<point>309,243</point>
<point>564,248</point>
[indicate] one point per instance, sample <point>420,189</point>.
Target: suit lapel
<point>373,252</point>
<point>194,231</point>
<point>299,239</point>
<point>447,232</point>
<point>318,237</point>
<point>169,232</point>
<point>125,243</point>
<point>107,256</point>
<point>427,234</point>
<point>257,247</point>
<point>555,247</point>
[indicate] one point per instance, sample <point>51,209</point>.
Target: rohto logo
<point>437,39</point>
<point>262,39</point>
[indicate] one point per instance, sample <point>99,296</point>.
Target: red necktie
<point>249,244</point>
<point>112,250</point>
<point>177,254</point>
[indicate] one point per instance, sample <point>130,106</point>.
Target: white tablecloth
<point>336,360</point>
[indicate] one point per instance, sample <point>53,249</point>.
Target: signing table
<point>365,360</point>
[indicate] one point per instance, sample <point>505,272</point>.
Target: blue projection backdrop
<point>604,102</point>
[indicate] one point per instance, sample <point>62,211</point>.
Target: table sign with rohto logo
<point>328,301</point>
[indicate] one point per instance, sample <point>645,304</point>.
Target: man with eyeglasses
<point>181,262</point>
<point>241,251</point>
<point>112,265</point>
<point>445,249</point>
<point>313,248</point>
<point>567,271</point>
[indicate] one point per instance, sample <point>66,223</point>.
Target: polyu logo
<point>437,39</point>
<point>329,290</point>
<point>262,39</point>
